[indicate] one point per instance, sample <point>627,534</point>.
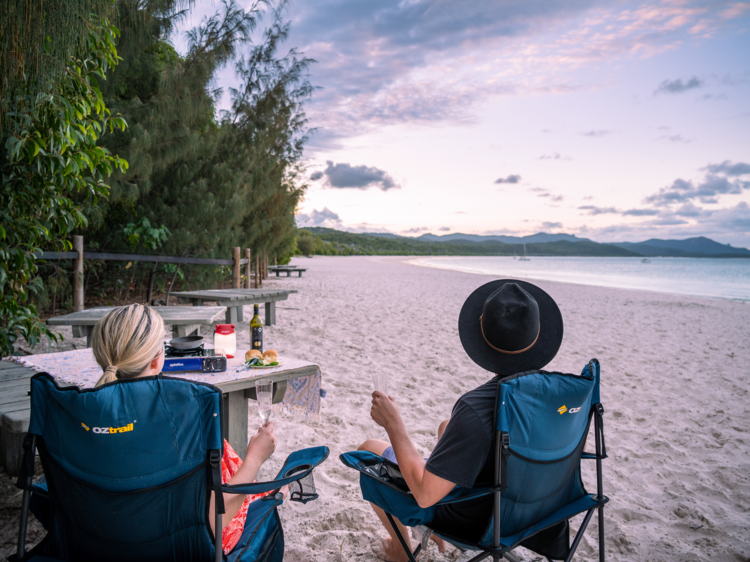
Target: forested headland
<point>110,133</point>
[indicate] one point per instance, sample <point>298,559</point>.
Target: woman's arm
<point>259,448</point>
<point>427,488</point>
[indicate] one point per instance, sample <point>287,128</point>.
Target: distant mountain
<point>336,242</point>
<point>531,239</point>
<point>690,247</point>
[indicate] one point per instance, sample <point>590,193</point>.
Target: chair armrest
<point>297,466</point>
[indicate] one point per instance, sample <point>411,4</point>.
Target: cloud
<point>640,212</point>
<point>675,138</point>
<point>445,228</point>
<point>678,86</point>
<point>721,179</point>
<point>346,176</point>
<point>415,230</point>
<point>594,210</point>
<point>729,168</point>
<point>596,133</point>
<point>553,156</point>
<point>551,225</point>
<point>513,178</point>
<point>541,192</point>
<point>325,218</point>
<point>315,176</point>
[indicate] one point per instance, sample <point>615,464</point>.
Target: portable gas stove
<point>193,359</point>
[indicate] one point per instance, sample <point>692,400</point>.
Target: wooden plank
<point>172,315</point>
<point>4,365</point>
<point>7,386</point>
<point>15,370</point>
<point>18,419</point>
<point>241,384</point>
<point>236,412</point>
<point>13,395</point>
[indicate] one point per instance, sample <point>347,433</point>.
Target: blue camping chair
<point>130,467</point>
<point>542,420</point>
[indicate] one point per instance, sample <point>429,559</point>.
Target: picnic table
<point>185,320</point>
<point>289,269</point>
<point>235,299</point>
<point>296,390</point>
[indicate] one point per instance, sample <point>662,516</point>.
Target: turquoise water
<point>718,278</point>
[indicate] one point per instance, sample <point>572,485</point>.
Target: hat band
<point>503,350</point>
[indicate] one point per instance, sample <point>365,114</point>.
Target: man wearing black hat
<point>506,327</point>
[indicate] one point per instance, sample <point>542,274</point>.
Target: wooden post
<point>265,267</point>
<point>248,269</point>
<point>257,271</point>
<point>236,268</point>
<point>78,274</point>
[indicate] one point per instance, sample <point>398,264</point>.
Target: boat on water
<point>524,257</point>
<point>645,260</point>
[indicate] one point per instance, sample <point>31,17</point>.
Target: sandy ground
<point>674,374</point>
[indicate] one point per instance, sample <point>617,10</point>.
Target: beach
<point>674,388</point>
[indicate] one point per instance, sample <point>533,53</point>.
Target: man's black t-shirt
<point>463,456</point>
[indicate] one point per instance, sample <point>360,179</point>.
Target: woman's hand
<point>384,410</point>
<point>262,444</point>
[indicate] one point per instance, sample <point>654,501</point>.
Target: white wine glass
<point>264,396</point>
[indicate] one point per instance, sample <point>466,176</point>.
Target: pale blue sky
<point>613,120</point>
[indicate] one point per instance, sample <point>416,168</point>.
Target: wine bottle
<point>256,330</point>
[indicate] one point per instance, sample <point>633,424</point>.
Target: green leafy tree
<point>50,157</point>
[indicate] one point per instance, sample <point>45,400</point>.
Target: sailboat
<point>524,257</point>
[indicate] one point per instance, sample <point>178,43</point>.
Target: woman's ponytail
<point>126,340</point>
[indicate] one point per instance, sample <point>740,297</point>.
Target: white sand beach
<point>675,376</point>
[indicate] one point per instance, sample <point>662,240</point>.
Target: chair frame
<point>497,551</point>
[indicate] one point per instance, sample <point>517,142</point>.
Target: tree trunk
<point>151,279</point>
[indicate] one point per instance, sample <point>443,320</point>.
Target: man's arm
<point>427,488</point>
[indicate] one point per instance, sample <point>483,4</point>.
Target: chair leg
<point>510,557</point>
<point>579,534</point>
<point>601,534</point>
<point>412,555</point>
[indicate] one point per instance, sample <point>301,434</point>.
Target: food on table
<point>253,354</point>
<point>270,356</point>
<point>254,358</point>
<point>256,331</point>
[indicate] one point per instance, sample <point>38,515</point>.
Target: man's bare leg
<point>390,549</point>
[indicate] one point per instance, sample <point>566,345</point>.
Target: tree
<point>215,181</point>
<point>51,156</point>
<point>38,38</point>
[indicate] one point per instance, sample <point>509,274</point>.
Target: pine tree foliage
<point>37,39</point>
<point>214,180</point>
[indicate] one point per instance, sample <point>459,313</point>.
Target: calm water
<point>719,278</point>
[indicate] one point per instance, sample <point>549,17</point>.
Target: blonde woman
<point>128,342</point>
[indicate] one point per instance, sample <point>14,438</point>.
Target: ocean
<point>703,277</point>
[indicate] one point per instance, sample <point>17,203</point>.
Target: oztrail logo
<point>123,429</point>
<point>562,409</point>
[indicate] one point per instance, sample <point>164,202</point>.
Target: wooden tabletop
<point>221,295</point>
<point>172,315</point>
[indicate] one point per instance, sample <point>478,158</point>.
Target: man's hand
<point>384,410</point>
<point>262,444</point>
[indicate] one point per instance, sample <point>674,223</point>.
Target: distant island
<point>327,241</point>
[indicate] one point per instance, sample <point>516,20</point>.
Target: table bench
<point>14,413</point>
<point>289,269</point>
<point>15,402</point>
<point>235,299</point>
<point>185,320</point>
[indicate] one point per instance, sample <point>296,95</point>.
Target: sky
<point>607,119</point>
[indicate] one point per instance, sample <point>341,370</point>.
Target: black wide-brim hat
<point>510,326</point>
